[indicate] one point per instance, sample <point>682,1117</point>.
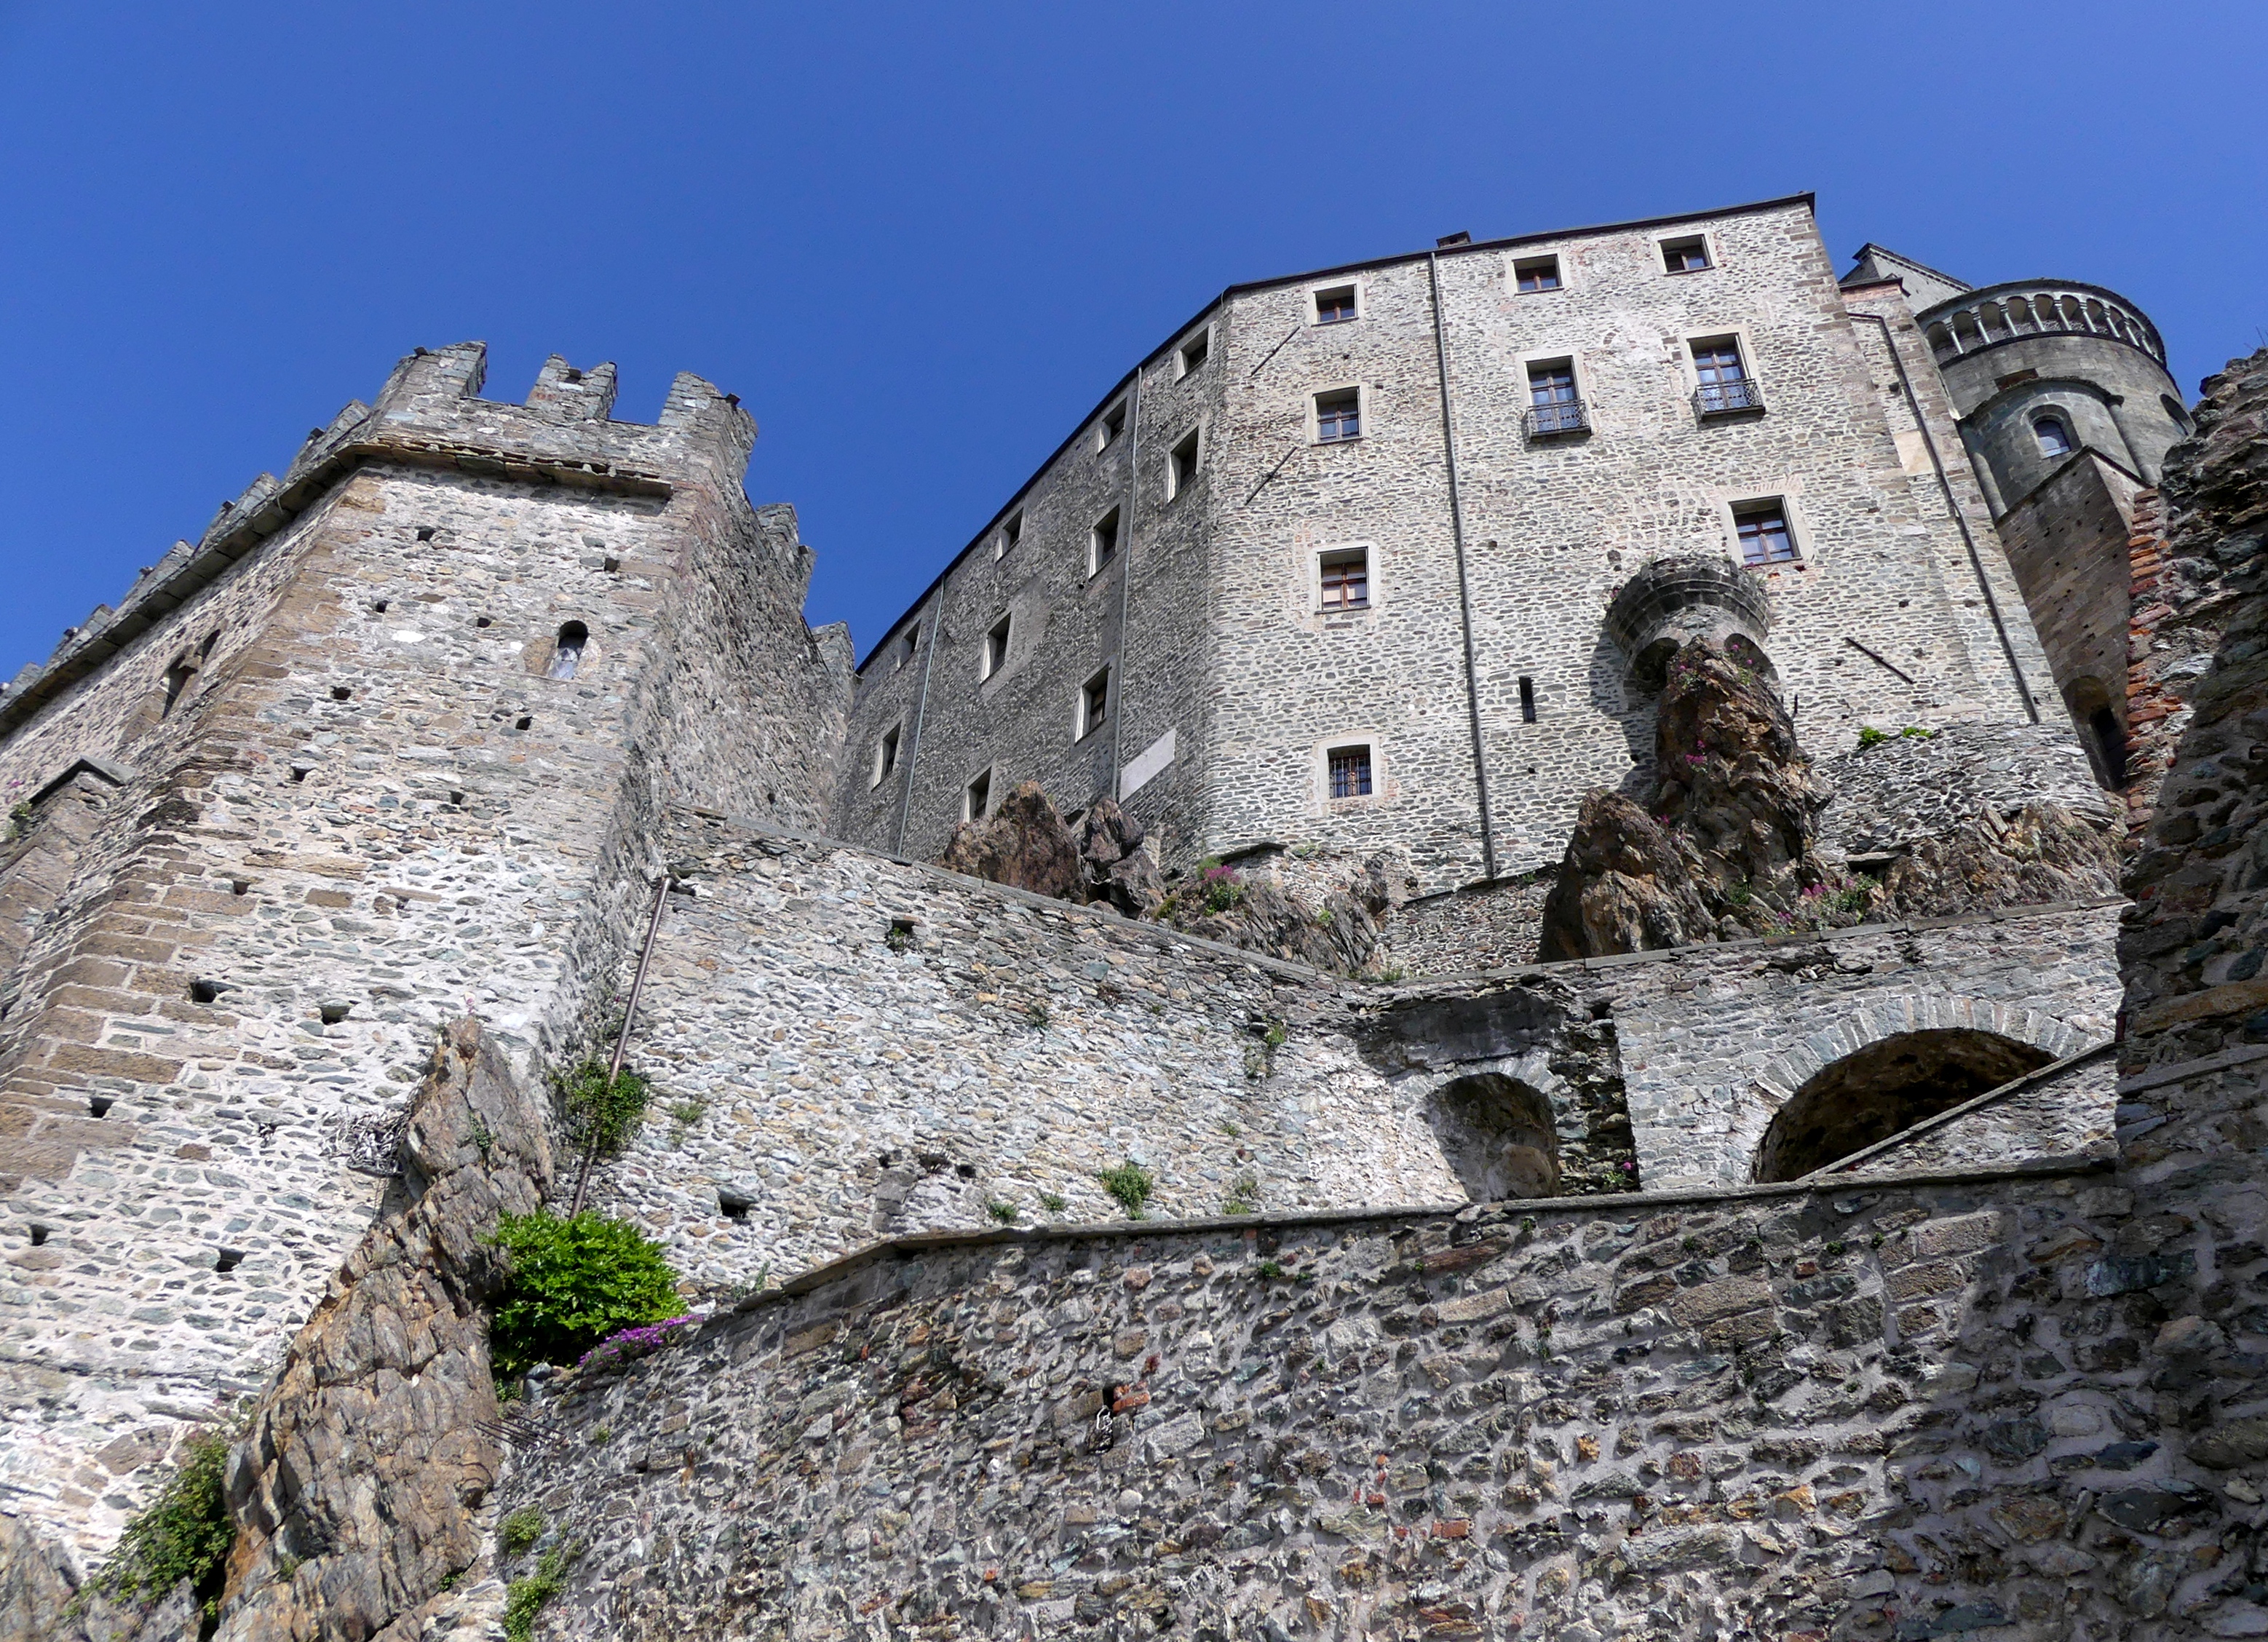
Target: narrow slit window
<point>1535,273</point>
<point>1182,466</point>
<point>568,655</point>
<point>2054,436</point>
<point>978,796</point>
<point>909,645</point>
<point>1346,579</point>
<point>177,681</point>
<point>1527,701</point>
<point>1350,772</point>
<point>1338,416</point>
<point>1094,704</point>
<point>995,649</point>
<point>885,756</point>
<point>1197,350</point>
<point>1011,533</point>
<point>1765,536</point>
<point>1335,305</point>
<point>1113,423</point>
<point>1103,544</point>
<point>1685,256</point>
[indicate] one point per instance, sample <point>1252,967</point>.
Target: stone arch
<point>1899,1015</point>
<point>1497,1134</point>
<point>1884,1089</point>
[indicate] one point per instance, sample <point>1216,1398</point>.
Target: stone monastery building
<point>1559,938</point>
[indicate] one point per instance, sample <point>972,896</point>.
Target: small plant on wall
<point>1132,1184</point>
<point>185,1532</point>
<point>574,1281</point>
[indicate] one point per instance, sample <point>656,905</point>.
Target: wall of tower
<point>368,810</point>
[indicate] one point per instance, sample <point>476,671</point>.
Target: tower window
<point>1346,579</point>
<point>177,679</point>
<point>1011,533</point>
<point>1765,536</point>
<point>1721,377</point>
<point>567,655</point>
<point>1338,416</point>
<point>908,644</point>
<point>1094,704</point>
<point>1552,404</point>
<point>1688,256</point>
<point>1535,273</point>
<point>976,797</point>
<point>1528,701</point>
<point>1335,305</point>
<point>1350,769</point>
<point>2054,436</point>
<point>1102,545</point>
<point>1182,466</point>
<point>995,649</point>
<point>1113,424</point>
<point>885,756</point>
<point>1197,350</point>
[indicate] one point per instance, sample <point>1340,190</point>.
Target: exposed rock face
<point>368,1457</point>
<point>1332,924</point>
<point>1113,863</point>
<point>1024,845</point>
<point>38,1584</point>
<point>1730,845</point>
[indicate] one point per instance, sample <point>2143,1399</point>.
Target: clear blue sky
<point>920,240</point>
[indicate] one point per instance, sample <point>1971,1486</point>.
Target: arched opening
<point>2173,408</point>
<point>1496,1134</point>
<point>2053,435</point>
<point>177,681</point>
<point>2099,729</point>
<point>1883,1089</point>
<point>568,655</point>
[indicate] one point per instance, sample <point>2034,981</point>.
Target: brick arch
<point>1878,1021</point>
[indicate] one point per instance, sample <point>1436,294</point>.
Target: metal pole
<point>1464,593</point>
<point>1117,709</point>
<point>623,1038</point>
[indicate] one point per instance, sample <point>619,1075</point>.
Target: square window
<point>1182,466</point>
<point>1335,305</point>
<point>1349,769</point>
<point>1113,424</point>
<point>1346,579</point>
<point>1102,545</point>
<point>1011,533</point>
<point>1094,704</point>
<point>995,649</point>
<point>1765,539</point>
<point>885,756</point>
<point>1688,256</point>
<point>1535,273</point>
<point>1197,350</point>
<point>976,797</point>
<point>1338,416</point>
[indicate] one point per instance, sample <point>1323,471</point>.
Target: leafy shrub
<point>603,1113</point>
<point>573,1282</point>
<point>520,1531</point>
<point>183,1533</point>
<point>524,1599</point>
<point>1131,1183</point>
<point>1222,888</point>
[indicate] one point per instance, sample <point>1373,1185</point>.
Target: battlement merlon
<point>429,415</point>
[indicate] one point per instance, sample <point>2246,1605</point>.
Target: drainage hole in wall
<point>206,991</point>
<point>39,1234</point>
<point>380,608</point>
<point>341,692</point>
<point>99,1105</point>
<point>524,724</point>
<point>613,564</point>
<point>228,1260</point>
<point>735,1205</point>
<point>425,533</point>
<point>482,621</point>
<point>334,1012</point>
<point>239,886</point>
<point>456,797</point>
<point>300,771</point>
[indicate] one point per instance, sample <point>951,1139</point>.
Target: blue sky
<point>921,240</point>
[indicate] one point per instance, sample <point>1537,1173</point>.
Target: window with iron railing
<point>1724,384</point>
<point>1553,404</point>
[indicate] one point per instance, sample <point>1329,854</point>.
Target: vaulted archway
<point>1886,1087</point>
<point>1497,1136</point>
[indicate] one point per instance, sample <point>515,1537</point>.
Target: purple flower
<point>624,1344</point>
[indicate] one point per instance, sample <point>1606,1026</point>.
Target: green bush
<point>574,1282</point>
<point>184,1533</point>
<point>520,1530</point>
<point>1132,1184</point>
<point>524,1599</point>
<point>603,1113</point>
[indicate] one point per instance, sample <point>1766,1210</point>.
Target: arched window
<point>1887,1088</point>
<point>568,655</point>
<point>2054,436</point>
<point>2172,408</point>
<point>177,679</point>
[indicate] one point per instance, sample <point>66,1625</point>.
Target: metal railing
<point>1724,399</point>
<point>1566,416</point>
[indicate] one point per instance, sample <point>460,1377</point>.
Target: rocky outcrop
<point>356,1488</point>
<point>1323,911</point>
<point>1026,843</point>
<point>1731,845</point>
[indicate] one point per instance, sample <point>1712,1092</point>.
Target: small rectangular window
<point>1338,416</point>
<point>1688,256</point>
<point>885,756</point>
<point>1535,273</point>
<point>1094,704</point>
<point>1182,466</point>
<point>1765,536</point>
<point>1197,350</point>
<point>978,796</point>
<point>1722,382</point>
<point>995,649</point>
<point>1335,305</point>
<point>1113,424</point>
<point>908,644</point>
<point>1011,533</point>
<point>1350,772</point>
<point>1102,545</point>
<point>1346,579</point>
<point>1526,700</point>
